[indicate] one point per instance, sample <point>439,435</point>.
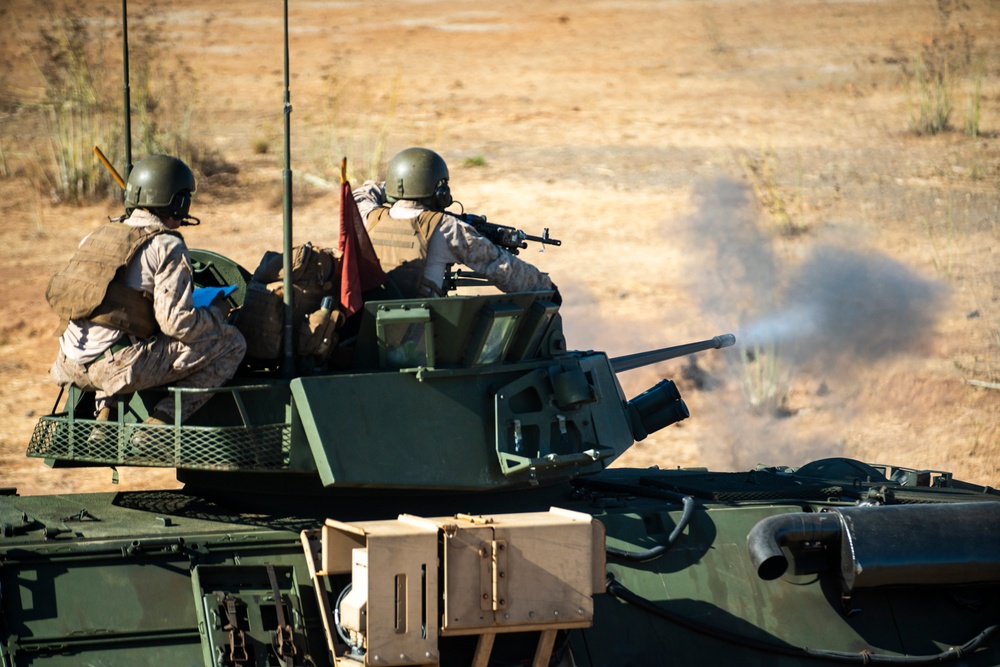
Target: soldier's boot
<point>151,442</point>
<point>159,418</point>
<point>103,432</point>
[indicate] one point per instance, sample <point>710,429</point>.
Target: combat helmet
<point>161,184</point>
<point>418,174</point>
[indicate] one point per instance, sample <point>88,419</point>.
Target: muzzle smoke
<point>802,320</point>
<point>836,307</point>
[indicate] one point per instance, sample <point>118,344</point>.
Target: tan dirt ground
<point>668,144</point>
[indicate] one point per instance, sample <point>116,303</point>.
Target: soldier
<point>126,297</point>
<point>416,239</point>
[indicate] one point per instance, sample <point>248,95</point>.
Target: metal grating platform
<point>168,446</point>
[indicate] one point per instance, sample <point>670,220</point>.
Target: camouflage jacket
<point>456,242</point>
<point>161,269</point>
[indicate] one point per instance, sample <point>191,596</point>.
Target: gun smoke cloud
<point>844,305</point>
<point>837,305</point>
<point>817,310</point>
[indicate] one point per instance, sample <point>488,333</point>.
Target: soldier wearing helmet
<point>125,299</point>
<point>416,239</point>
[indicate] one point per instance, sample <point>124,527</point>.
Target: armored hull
<point>147,577</point>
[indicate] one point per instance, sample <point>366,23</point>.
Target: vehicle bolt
<point>486,596</point>
<point>503,574</point>
<point>555,613</point>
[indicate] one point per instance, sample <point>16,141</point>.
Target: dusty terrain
<point>730,165</point>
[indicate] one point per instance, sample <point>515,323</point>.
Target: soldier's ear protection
<point>179,205</point>
<point>442,196</point>
<point>177,209</point>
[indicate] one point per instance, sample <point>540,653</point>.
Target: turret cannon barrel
<point>661,405</point>
<point>640,359</point>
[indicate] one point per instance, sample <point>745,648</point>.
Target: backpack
<point>315,274</point>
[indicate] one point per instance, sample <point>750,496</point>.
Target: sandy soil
<point>729,165</point>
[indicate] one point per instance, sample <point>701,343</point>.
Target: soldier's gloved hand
<point>221,304</point>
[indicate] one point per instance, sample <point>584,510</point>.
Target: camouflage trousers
<point>156,361</point>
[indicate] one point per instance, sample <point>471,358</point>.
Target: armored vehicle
<point>472,519</point>
<point>436,489</point>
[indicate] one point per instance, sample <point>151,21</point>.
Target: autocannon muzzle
<point>659,406</point>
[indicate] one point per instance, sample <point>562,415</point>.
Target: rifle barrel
<point>640,359</point>
<point>542,239</point>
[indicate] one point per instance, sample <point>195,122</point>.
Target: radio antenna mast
<point>128,102</point>
<point>289,359</point>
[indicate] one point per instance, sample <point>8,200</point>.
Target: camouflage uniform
<point>194,347</point>
<point>457,242</point>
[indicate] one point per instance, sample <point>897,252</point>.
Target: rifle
<point>508,238</point>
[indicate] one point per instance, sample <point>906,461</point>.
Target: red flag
<point>360,269</point>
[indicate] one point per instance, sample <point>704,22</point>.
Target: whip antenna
<point>128,103</point>
<point>289,360</point>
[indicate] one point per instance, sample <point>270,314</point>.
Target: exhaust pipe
<point>899,545</point>
<point>769,535</point>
